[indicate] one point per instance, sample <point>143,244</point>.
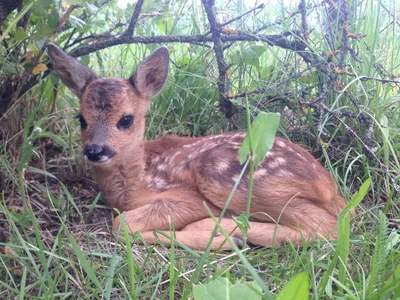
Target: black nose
<point>94,152</point>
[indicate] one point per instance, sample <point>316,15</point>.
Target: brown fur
<point>168,179</point>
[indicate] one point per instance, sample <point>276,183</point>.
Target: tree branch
<point>272,40</point>
<point>226,106</point>
<point>134,19</point>
<point>261,6</point>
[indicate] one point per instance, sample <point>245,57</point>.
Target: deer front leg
<point>158,215</point>
<point>157,211</point>
<point>193,239</point>
<point>183,207</point>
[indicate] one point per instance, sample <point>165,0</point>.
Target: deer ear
<point>74,74</point>
<point>152,73</point>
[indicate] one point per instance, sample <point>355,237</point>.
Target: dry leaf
<point>28,56</point>
<point>17,272</point>
<point>16,209</point>
<point>9,251</point>
<point>40,68</point>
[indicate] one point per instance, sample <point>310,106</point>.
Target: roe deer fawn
<point>169,178</point>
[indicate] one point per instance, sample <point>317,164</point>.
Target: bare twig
<point>293,14</point>
<point>345,37</point>
<point>391,14</point>
<point>69,38</point>
<point>303,12</point>
<point>269,88</point>
<point>261,6</point>
<point>64,18</point>
<point>365,78</point>
<point>272,40</point>
<point>227,107</point>
<point>96,37</point>
<point>134,19</point>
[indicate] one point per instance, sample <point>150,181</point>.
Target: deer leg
<point>260,233</point>
<point>193,239</point>
<point>164,209</point>
<point>196,238</point>
<point>180,207</point>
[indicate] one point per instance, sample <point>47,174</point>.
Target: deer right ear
<point>152,73</point>
<point>74,74</point>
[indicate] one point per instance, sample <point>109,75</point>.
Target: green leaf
<point>10,68</point>
<point>391,285</point>
<point>356,199</point>
<point>76,22</point>
<point>76,2</point>
<point>385,126</point>
<point>42,32</point>
<point>296,289</point>
<point>236,58</point>
<point>222,289</point>
<point>53,19</point>
<point>84,262</point>
<point>92,9</point>
<point>256,50</point>
<point>263,131</point>
<point>40,8</point>
<point>20,34</point>
<point>249,55</point>
<point>164,24</point>
<point>343,243</point>
<point>242,222</point>
<point>252,54</point>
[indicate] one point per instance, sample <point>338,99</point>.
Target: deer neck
<point>121,181</point>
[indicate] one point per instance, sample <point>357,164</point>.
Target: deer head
<point>112,111</point>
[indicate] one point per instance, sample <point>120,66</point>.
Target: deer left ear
<point>74,74</point>
<point>152,73</point>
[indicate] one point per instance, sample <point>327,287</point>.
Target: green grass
<point>55,230</point>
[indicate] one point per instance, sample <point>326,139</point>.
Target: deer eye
<point>82,121</point>
<point>125,122</point>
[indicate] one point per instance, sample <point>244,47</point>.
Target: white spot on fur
<point>235,145</point>
<point>285,174</point>
<point>161,167</point>
<point>170,186</point>
<point>239,134</point>
<point>260,173</point>
<point>159,183</point>
<point>173,157</point>
<point>235,178</point>
<point>270,154</point>
<point>276,163</point>
<point>290,149</point>
<point>183,164</point>
<point>280,160</point>
<point>149,181</point>
<point>213,137</point>
<point>280,143</point>
<point>222,165</point>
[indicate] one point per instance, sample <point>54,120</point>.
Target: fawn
<point>168,179</point>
